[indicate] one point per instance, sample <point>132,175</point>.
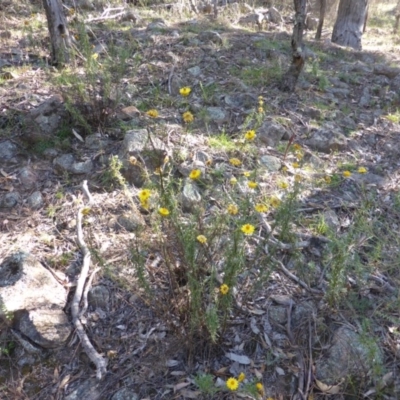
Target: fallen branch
<point>95,357</point>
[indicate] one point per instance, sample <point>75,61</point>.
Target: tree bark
<point>322,10</point>
<point>397,15</point>
<point>350,22</point>
<point>289,79</point>
<point>58,31</point>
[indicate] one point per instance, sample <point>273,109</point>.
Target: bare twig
<point>95,357</point>
<point>86,292</point>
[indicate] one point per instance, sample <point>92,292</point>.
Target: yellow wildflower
<point>157,171</point>
<point>209,162</point>
<point>195,174</point>
<point>260,110</point>
<point>250,135</point>
<point>261,208</point>
<point>95,56</point>
<point>246,174</point>
<point>247,229</point>
<point>298,178</point>
<point>235,162</point>
<point>296,165</point>
<point>152,113</point>
<point>133,160</point>
<point>327,179</point>
<point>346,174</point>
<point>260,102</point>
<point>144,194</point>
<point>260,98</point>
<point>362,170</point>
<point>232,209</point>
<point>163,212</point>
<point>283,185</point>
<point>202,239</point>
<point>284,169</point>
<point>188,117</point>
<point>233,181</point>
<point>224,289</point>
<point>260,387</point>
<point>297,147</point>
<point>241,377</point>
<point>252,184</point>
<point>185,91</point>
<point>275,201</point>
<point>86,211</point>
<point>232,384</point>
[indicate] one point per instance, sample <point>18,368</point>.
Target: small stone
<point>271,133</point>
<point>84,167</point>
<point>64,162</point>
<point>210,36</point>
<point>327,139</point>
<point>131,221</point>
<point>157,25</point>
<point>331,219</point>
<point>28,177</point>
<point>99,296</point>
<point>35,200</point>
<point>191,196</point>
<point>125,394</point>
<point>217,114</point>
<point>10,200</point>
<point>194,71</point>
<point>271,163</point>
<point>8,150</point>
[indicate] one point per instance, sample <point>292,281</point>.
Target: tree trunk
<point>397,14</point>
<point>322,10</point>
<point>350,22</point>
<point>58,30</point>
<point>289,80</point>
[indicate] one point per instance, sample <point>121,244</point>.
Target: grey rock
<point>245,100</point>
<point>348,123</point>
<point>270,133</point>
<point>99,296</point>
<point>271,163</point>
<point>275,16</point>
<point>210,36</point>
<point>365,98</point>
<point>201,156</point>
<point>313,113</point>
<point>84,167</point>
<point>64,162</point>
<point>50,153</point>
<point>88,390</point>
<point>21,272</point>
<point>95,141</point>
<point>331,220</point>
<point>369,179</point>
<point>157,25</point>
<point>217,114</point>
<point>8,150</point>
<point>191,196</point>
<point>303,312</point>
<point>339,92</point>
<point>328,138</point>
<point>35,200</point>
<point>125,394</point>
<point>10,200</point>
<point>348,356</point>
<point>195,71</point>
<point>28,177</point>
<point>131,221</point>
<point>45,327</point>
<point>278,314</point>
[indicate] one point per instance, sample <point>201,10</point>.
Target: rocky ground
<point>334,141</point>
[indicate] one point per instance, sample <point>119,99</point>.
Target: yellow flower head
<point>235,162</point>
<point>232,384</point>
<point>145,204</point>
<point>296,165</point>
<point>362,170</point>
<point>260,387</point>
<point>185,91</point>
<point>275,201</point>
<point>195,174</point>
<point>298,178</point>
<point>297,147</point>
<point>283,185</point>
<point>247,229</point>
<point>260,102</point>
<point>261,208</point>
<point>260,110</point>
<point>224,289</point>
<point>232,209</point>
<point>144,194</point>
<point>157,171</point>
<point>260,98</point>
<point>327,179</point>
<point>209,162</point>
<point>95,56</point>
<point>250,135</point>
<point>188,117</point>
<point>163,212</point>
<point>284,169</point>
<point>346,174</point>
<point>241,377</point>
<point>133,160</point>
<point>152,113</point>
<point>202,239</point>
<point>86,211</point>
<point>233,181</point>
<point>252,185</point>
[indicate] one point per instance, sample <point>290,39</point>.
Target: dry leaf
<point>238,358</point>
<point>180,386</point>
<point>77,135</point>
<point>328,389</point>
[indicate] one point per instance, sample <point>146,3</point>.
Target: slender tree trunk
<point>397,14</point>
<point>350,22</point>
<point>366,19</point>
<point>322,10</point>
<point>58,30</point>
<point>289,79</point>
